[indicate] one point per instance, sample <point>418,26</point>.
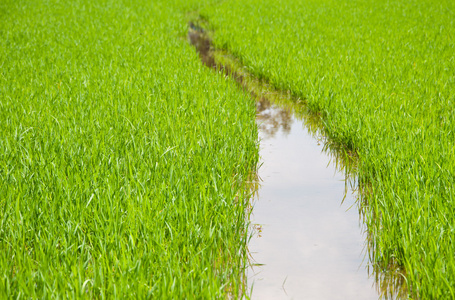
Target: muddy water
<point>307,244</point>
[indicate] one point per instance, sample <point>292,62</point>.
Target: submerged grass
<point>123,161</point>
<point>380,73</point>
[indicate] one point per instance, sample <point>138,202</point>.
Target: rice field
<point>125,163</point>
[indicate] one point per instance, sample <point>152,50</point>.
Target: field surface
<point>124,161</point>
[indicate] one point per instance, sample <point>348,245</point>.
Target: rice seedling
<point>123,160</point>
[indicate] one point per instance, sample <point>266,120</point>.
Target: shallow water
<point>311,244</point>
<point>307,238</point>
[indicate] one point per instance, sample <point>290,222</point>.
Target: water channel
<point>307,239</point>
<point>308,242</point>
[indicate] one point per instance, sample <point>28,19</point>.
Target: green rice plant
<point>380,73</point>
<point>123,161</point>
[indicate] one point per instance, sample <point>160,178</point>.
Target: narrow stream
<point>307,237</point>
<point>307,243</point>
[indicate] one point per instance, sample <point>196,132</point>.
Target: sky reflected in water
<point>311,246</point>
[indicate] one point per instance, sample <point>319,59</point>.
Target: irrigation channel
<point>306,218</point>
<point>307,240</point>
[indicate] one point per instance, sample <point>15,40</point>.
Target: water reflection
<point>390,283</point>
<point>277,120</point>
<point>311,247</point>
<point>271,119</point>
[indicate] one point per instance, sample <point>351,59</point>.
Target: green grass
<point>123,160</point>
<point>381,73</point>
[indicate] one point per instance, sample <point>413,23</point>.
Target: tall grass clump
<point>123,161</point>
<point>381,74</point>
